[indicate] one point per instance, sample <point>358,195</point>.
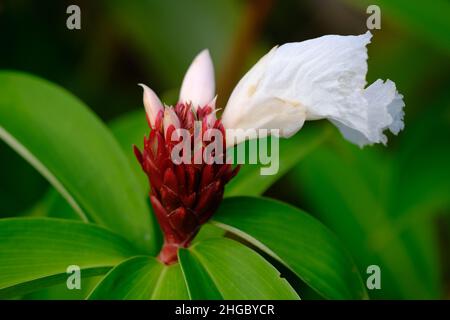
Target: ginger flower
<point>322,78</point>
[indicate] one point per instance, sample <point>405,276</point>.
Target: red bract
<point>183,196</point>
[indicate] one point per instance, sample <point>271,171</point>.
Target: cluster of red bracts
<point>185,195</point>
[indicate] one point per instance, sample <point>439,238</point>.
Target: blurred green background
<point>390,206</point>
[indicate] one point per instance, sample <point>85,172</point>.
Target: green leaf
<point>16,196</point>
<point>60,292</point>
<point>77,154</point>
<point>295,239</point>
<point>223,268</point>
<point>130,130</point>
<point>201,286</point>
<point>35,252</point>
<point>250,182</point>
<point>142,278</point>
<point>208,231</point>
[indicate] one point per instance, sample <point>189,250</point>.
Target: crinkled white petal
<point>316,79</point>
<point>395,109</point>
<point>384,111</point>
<point>198,84</point>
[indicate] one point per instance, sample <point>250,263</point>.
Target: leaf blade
<point>194,272</point>
<point>35,252</point>
<point>142,278</point>
<point>237,272</point>
<point>317,257</point>
<point>48,126</point>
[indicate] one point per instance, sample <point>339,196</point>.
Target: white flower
<point>315,79</point>
<point>322,78</point>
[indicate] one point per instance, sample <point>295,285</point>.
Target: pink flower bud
<point>152,104</point>
<point>198,85</point>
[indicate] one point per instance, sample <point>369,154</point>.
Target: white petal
<point>198,84</point>
<point>152,104</point>
<point>384,111</point>
<point>315,79</point>
<point>252,106</point>
<point>395,109</point>
<point>312,76</point>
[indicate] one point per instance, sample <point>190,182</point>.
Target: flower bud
<point>152,105</point>
<point>198,86</point>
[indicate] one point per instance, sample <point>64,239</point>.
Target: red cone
<point>183,196</point>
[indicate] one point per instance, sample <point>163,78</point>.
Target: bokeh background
<point>390,206</point>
